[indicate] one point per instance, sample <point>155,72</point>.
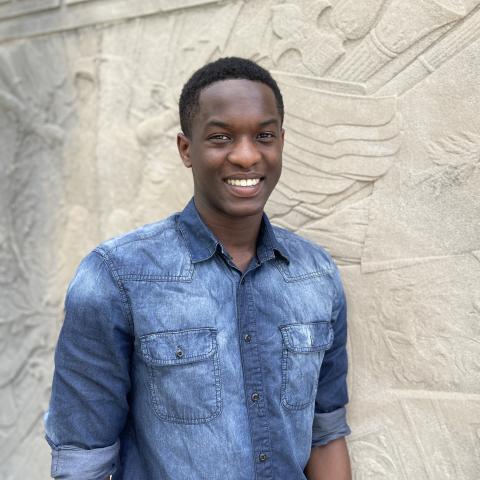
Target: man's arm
<point>329,455</point>
<point>329,462</point>
<point>88,404</point>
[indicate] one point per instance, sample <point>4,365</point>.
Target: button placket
<point>253,379</point>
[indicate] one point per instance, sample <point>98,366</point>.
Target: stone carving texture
<point>12,8</point>
<point>381,166</point>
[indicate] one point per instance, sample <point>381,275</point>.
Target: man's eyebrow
<point>219,123</point>
<point>269,122</point>
<point>216,123</point>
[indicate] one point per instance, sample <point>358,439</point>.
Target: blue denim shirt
<point>173,364</point>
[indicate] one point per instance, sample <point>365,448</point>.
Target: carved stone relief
<point>9,8</point>
<point>381,166</point>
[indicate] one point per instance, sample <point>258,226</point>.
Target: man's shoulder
<point>306,258</point>
<point>153,250</point>
<point>144,235</point>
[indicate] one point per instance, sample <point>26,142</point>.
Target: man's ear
<point>183,145</point>
<point>282,136</point>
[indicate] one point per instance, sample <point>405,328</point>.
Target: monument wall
<point>381,166</point>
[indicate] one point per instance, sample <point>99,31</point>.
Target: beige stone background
<point>382,166</point>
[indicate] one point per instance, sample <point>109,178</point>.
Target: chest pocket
<point>184,374</point>
<point>304,346</point>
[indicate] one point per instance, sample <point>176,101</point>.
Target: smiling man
<point>210,345</point>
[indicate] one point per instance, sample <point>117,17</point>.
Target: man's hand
<point>329,462</point>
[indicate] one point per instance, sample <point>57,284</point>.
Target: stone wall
<point>381,166</point>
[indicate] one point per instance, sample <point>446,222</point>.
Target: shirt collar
<point>203,244</point>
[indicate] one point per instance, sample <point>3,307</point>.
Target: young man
<point>209,345</point>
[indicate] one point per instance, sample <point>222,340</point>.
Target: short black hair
<point>226,68</point>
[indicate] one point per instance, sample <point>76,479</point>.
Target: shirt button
<point>262,457</point>
<point>179,353</point>
<point>247,338</point>
<point>255,396</point>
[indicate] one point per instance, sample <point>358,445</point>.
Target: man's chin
<point>247,209</point>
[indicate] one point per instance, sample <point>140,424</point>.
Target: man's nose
<point>245,153</point>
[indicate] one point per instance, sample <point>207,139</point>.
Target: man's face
<point>235,149</point>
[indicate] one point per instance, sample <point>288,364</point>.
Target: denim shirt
<point>173,364</point>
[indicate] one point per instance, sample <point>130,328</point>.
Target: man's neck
<point>237,235</point>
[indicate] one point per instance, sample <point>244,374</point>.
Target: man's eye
<point>219,137</point>
<point>266,135</point>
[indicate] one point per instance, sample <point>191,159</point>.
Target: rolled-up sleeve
<point>69,462</point>
<point>88,405</point>
<point>329,418</point>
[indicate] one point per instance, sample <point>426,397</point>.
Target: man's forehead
<point>234,94</point>
<point>229,84</point>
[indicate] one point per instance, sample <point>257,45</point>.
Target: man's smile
<point>243,182</point>
<point>244,187</point>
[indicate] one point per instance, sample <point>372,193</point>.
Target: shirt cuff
<point>73,463</point>
<point>329,426</point>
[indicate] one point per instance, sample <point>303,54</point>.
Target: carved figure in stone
<point>153,128</point>
<point>408,73</point>
<point>355,18</point>
<point>32,134</point>
<point>331,165</point>
<point>455,159</point>
<point>296,25</point>
<point>401,25</point>
<point>157,363</point>
<point>156,132</point>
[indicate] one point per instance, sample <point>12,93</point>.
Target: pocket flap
<point>307,337</point>
<point>178,347</point>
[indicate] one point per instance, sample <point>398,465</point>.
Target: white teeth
<point>249,182</point>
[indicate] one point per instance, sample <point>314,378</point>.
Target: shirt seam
<point>121,288</point>
<point>133,277</point>
<point>162,226</point>
<point>335,273</point>
<point>303,276</point>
